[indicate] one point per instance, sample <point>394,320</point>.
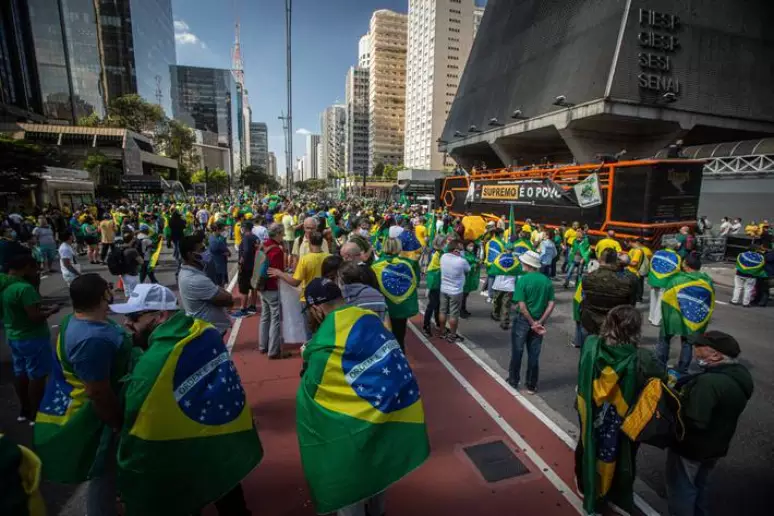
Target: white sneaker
<point>21,419</point>
<point>489,300</point>
<point>484,293</point>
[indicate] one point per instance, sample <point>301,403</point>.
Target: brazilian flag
<point>493,249</point>
<point>154,259</point>
<point>751,264</point>
<point>506,264</point>
<point>664,264</point>
<point>412,249</point>
<point>19,480</point>
<point>69,436</point>
<point>188,436</point>
<point>522,246</point>
<point>687,304</point>
<point>398,280</point>
<point>433,273</point>
<point>577,299</point>
<point>360,420</point>
<point>607,387</point>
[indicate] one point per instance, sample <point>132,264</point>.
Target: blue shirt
<point>547,252</point>
<point>91,347</point>
<point>218,249</point>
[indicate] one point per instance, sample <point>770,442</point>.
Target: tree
<point>378,169</point>
<point>391,171</point>
<point>21,165</point>
<point>216,180</point>
<point>176,140</point>
<point>134,113</point>
<point>254,176</point>
<point>93,120</point>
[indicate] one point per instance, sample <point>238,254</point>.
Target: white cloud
<point>184,36</point>
<point>303,132</point>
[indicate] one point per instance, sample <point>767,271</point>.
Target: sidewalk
<point>529,468</point>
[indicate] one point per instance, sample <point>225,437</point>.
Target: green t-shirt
<point>15,298</point>
<point>536,290</point>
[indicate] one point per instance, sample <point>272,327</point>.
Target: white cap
<point>147,297</point>
<point>530,258</point>
<point>395,231</point>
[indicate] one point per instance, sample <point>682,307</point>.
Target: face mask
<point>224,233</point>
<point>703,363</point>
<point>364,233</point>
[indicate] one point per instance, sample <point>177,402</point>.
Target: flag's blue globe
<point>376,368</point>
<point>507,261</point>
<point>695,303</point>
<point>397,278</point>
<point>57,399</point>
<point>664,262</point>
<point>206,384</point>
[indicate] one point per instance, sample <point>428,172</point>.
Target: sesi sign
<point>659,40</point>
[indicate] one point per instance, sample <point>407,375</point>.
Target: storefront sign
<point>535,192</point>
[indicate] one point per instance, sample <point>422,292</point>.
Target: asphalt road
<point>743,480</point>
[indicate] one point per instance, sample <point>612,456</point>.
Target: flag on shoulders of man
<point>688,303</point>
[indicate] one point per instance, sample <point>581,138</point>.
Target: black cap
<point>320,291</point>
<point>717,340</point>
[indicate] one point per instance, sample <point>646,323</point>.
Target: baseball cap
<point>147,297</point>
<point>717,340</point>
<point>320,291</point>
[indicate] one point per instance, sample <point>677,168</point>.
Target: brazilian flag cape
<point>521,246</point>
<point>159,243</point>
<point>69,437</point>
<point>398,280</point>
<point>664,264</point>
<point>433,273</point>
<point>577,299</point>
<point>687,304</point>
<point>188,436</point>
<point>506,264</point>
<point>412,249</point>
<point>607,386</point>
<point>473,277</point>
<point>360,420</point>
<point>19,481</point>
<point>750,263</point>
<point>492,249</point>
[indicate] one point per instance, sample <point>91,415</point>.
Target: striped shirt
<point>365,297</point>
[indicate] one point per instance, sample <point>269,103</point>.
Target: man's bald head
<point>310,225</point>
<point>350,252</point>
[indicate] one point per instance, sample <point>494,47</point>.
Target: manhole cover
<point>496,461</point>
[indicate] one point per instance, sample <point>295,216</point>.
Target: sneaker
<point>21,419</point>
<point>484,293</point>
<point>454,338</point>
<point>505,327</point>
<point>427,332</point>
<point>530,391</point>
<point>240,313</point>
<point>465,314</point>
<point>252,309</point>
<point>489,300</point>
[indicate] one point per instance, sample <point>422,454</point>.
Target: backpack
<point>655,417</point>
<point>116,262</point>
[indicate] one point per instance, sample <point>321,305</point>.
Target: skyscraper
<point>439,42</point>
<point>311,163</point>
<point>364,51</point>
<point>81,55</point>
<point>356,148</point>
<point>259,146</point>
<point>387,87</point>
<point>207,99</point>
<point>272,170</point>
<point>333,139</point>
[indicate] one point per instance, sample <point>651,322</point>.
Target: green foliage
<point>216,180</point>
<point>391,171</point>
<point>378,169</point>
<point>176,140</point>
<point>311,185</point>
<point>134,113</point>
<point>255,177</point>
<point>93,120</point>
<point>21,165</point>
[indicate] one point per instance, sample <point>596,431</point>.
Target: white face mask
<point>363,232</point>
<point>224,233</point>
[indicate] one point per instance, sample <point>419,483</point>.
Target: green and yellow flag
<point>506,264</point>
<point>521,246</point>
<point>154,259</point>
<point>398,279</point>
<point>188,435</point>
<point>606,388</point>
<point>664,265</point>
<point>577,299</point>
<point>492,249</point>
<point>360,420</point>
<point>751,263</point>
<point>69,437</point>
<point>687,304</point>
<point>433,273</point>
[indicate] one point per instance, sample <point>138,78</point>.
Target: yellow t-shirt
<point>635,256</point>
<point>421,232</point>
<point>607,243</point>
<point>569,236</point>
<point>238,233</point>
<point>108,231</point>
<point>309,267</point>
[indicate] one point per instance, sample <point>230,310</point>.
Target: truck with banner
<point>643,198</point>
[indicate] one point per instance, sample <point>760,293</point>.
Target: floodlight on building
<point>561,100</point>
<point>495,122</point>
<point>518,115</point>
<point>474,129</point>
<point>458,134</point>
<point>669,97</point>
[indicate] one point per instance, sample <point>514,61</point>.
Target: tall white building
<point>356,153</point>
<point>387,87</point>
<point>311,162</point>
<point>299,170</point>
<point>364,51</point>
<point>259,145</point>
<point>333,124</point>
<point>440,37</point>
<point>478,15</point>
<point>272,169</point>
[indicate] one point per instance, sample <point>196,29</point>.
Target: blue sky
<point>325,39</point>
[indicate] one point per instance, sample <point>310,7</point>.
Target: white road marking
<point>232,336</point>
<point>721,302</point>
<point>542,465</point>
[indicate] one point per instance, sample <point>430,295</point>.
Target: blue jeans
<point>489,282</point>
<point>522,337</point>
<point>662,352</point>
<point>580,335</point>
<point>578,269</point>
<point>686,483</point>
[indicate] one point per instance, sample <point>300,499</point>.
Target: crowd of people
<point>356,269</point>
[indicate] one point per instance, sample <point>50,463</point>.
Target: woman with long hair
<point>611,373</point>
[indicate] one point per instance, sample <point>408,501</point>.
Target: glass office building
<point>207,99</point>
<point>87,52</point>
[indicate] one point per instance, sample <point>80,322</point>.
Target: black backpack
<point>116,262</point>
<point>655,418</point>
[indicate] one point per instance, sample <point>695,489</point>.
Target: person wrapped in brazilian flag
<point>473,276</point>
<point>664,265</point>
<point>611,372</point>
<point>359,415</point>
<point>506,269</point>
<point>188,437</point>
<point>398,280</point>
<point>750,269</point>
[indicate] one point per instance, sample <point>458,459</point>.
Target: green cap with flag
<point>188,436</point>
<point>360,420</point>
